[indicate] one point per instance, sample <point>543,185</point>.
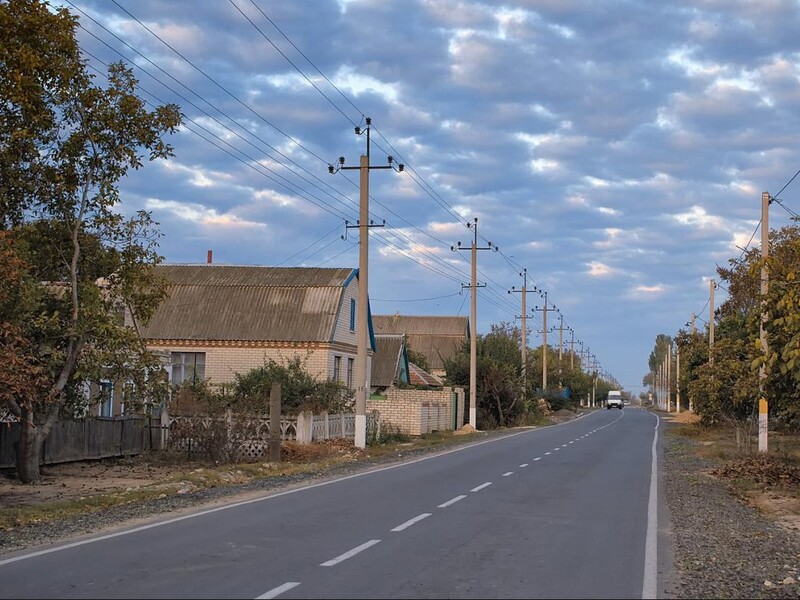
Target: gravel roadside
<point>722,547</point>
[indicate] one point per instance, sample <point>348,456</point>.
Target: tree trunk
<point>29,450</point>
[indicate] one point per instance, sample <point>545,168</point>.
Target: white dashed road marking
<point>349,553</point>
<point>275,592</point>
<point>481,486</point>
<point>410,522</point>
<point>451,501</point>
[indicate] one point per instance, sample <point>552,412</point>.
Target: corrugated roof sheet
<point>218,302</point>
<point>385,359</point>
<point>419,376</point>
<point>437,338</point>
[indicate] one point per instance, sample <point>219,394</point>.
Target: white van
<point>614,400</point>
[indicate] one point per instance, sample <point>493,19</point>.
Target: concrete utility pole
<point>544,342</point>
<point>473,341</point>
<point>677,377</point>
<point>763,406</point>
<point>669,377</point>
<point>712,287</point>
<point>571,349</point>
<point>523,332</point>
<point>362,312</point>
<point>560,345</point>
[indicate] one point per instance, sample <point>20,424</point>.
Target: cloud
<point>201,215</point>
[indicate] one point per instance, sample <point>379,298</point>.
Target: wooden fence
<point>98,437</point>
<point>86,439</point>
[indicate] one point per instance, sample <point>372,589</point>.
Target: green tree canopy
<point>65,142</point>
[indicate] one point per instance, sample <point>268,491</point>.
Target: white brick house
<point>220,320</point>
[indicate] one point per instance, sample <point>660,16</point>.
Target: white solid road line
<point>349,553</point>
<point>650,579</point>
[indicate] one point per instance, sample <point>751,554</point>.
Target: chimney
<point>209,257</point>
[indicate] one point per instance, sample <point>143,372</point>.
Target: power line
<point>415,299</point>
<point>257,28</point>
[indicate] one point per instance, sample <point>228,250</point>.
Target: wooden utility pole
<point>473,341</point>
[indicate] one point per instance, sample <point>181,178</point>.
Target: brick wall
<point>415,412</point>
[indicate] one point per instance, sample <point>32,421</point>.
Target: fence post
<point>305,427</point>
<point>275,423</point>
<point>164,421</point>
<point>326,434</point>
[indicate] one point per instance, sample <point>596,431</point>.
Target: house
<point>437,338</point>
<point>221,320</point>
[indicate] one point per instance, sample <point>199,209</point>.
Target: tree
<point>65,143</point>
<point>501,398</point>
<point>727,388</point>
<point>418,359</point>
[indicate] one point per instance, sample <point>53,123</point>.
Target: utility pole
<point>544,342</point>
<point>763,406</point>
<point>523,332</point>
<point>669,377</point>
<point>560,345</point>
<point>473,341</point>
<point>712,287</point>
<point>571,349</point>
<point>362,313</point>
<point>694,329</point>
<point>677,377</point>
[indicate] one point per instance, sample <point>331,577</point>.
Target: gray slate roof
<point>248,303</point>
<point>437,338</point>
<point>385,360</point>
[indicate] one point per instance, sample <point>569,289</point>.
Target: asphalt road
<point>567,511</point>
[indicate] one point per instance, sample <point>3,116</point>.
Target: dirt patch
<point>770,483</point>
<point>75,481</point>
<point>467,428</point>
<point>682,417</point>
<point>80,480</point>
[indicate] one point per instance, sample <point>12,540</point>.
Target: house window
<point>188,367</point>
<point>337,368</point>
<point>105,404</point>
<point>352,314</point>
<point>350,363</point>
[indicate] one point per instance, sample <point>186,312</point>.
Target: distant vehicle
<point>614,400</point>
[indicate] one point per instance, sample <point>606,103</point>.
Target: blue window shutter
<point>352,314</point>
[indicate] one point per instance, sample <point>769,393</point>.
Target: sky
<point>614,152</point>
